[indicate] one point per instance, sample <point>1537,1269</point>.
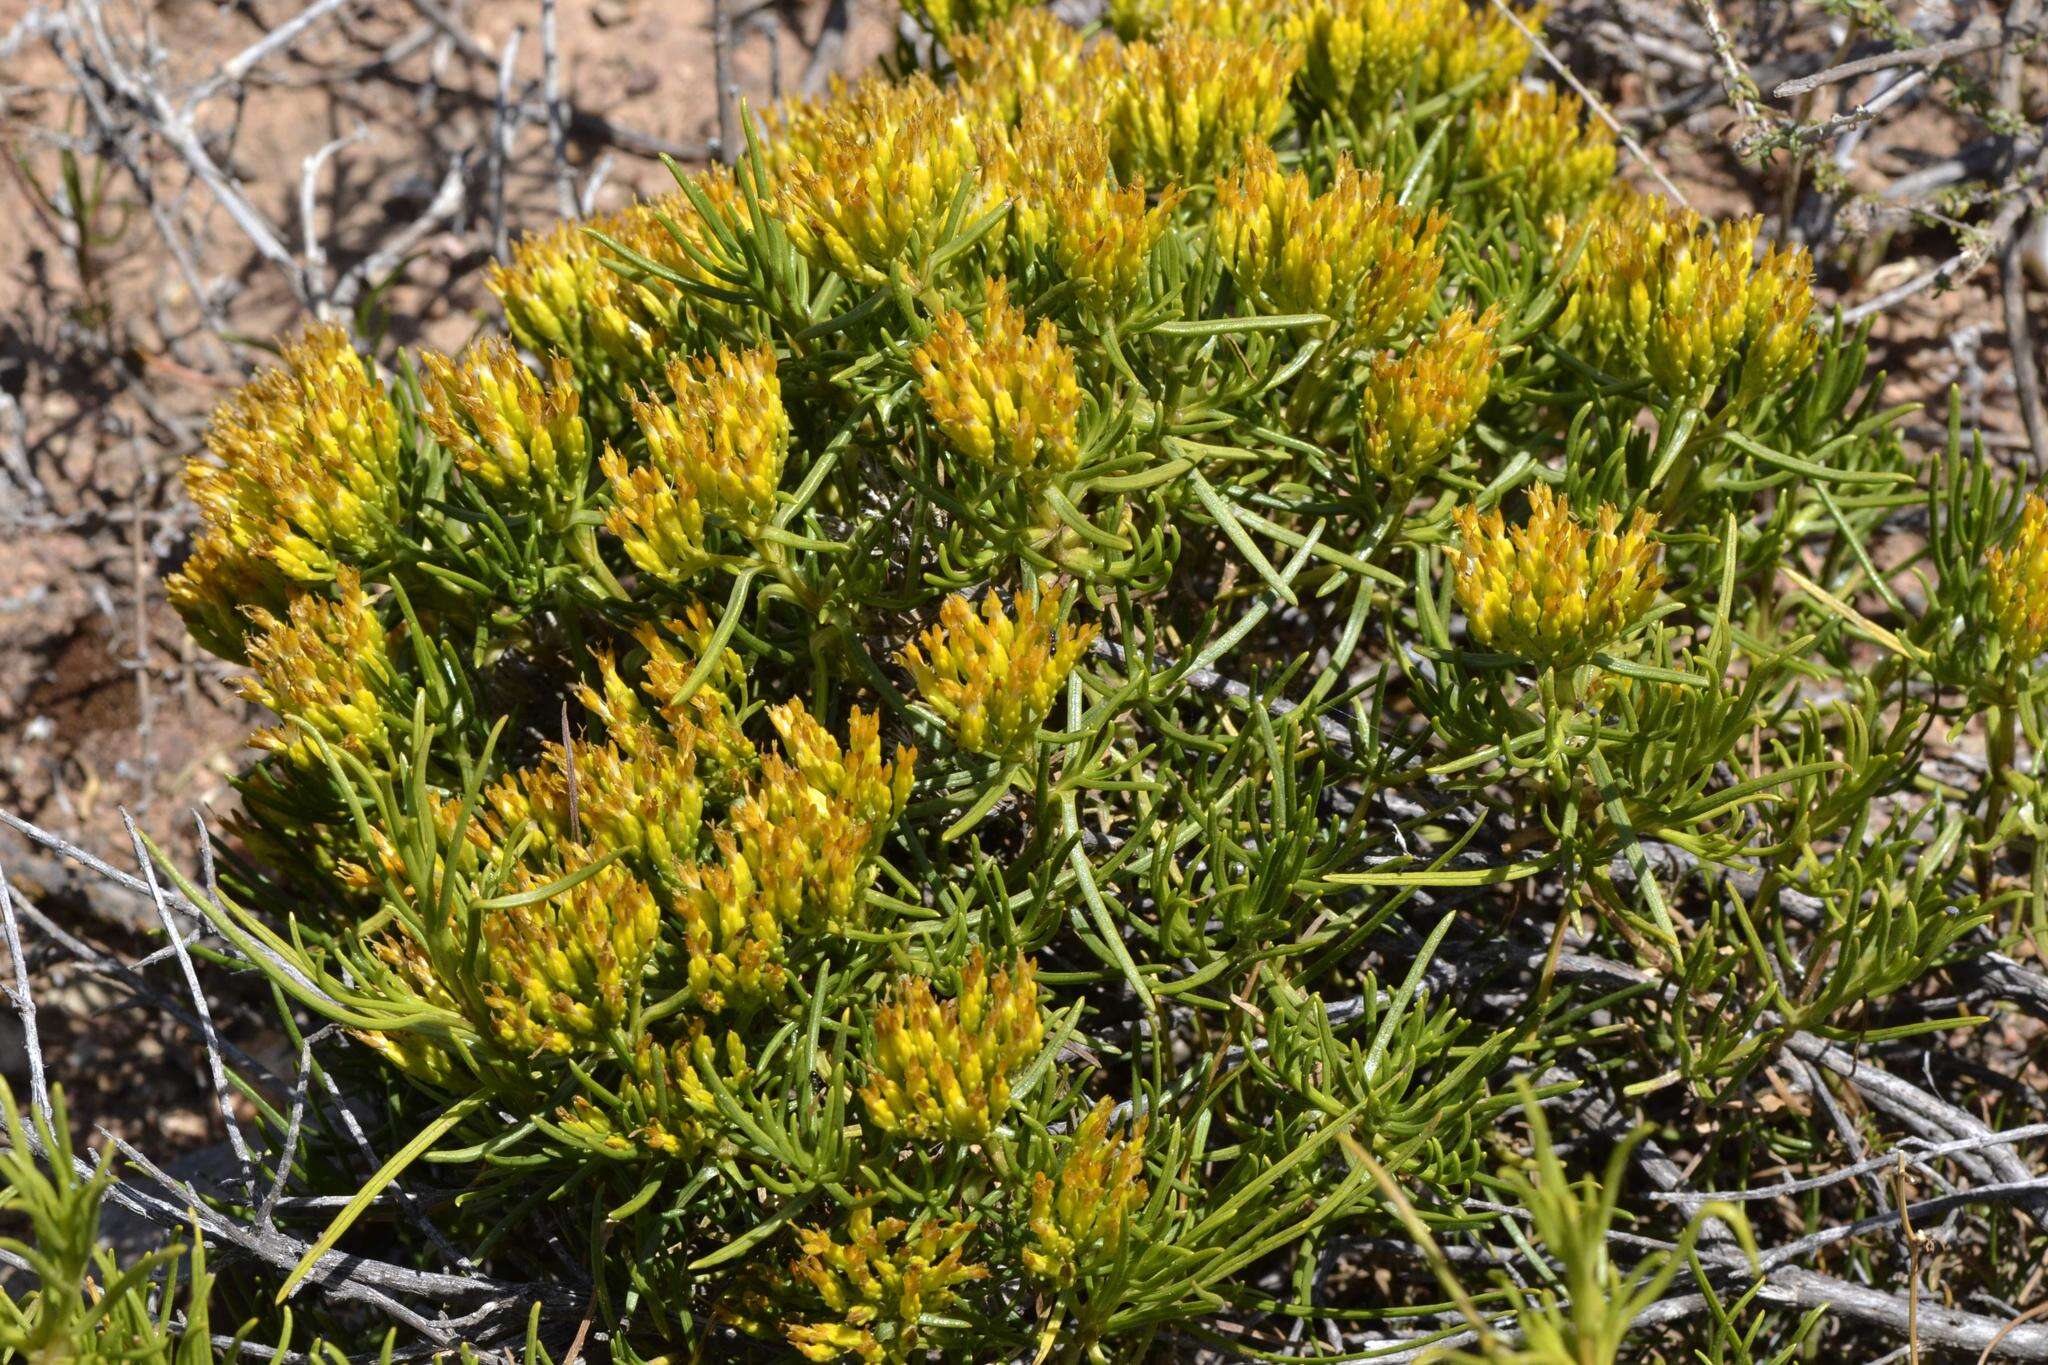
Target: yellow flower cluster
<point>796,860</point>
<point>1183,108</point>
<point>1352,253</point>
<point>413,1051</point>
<point>1358,55</point>
<point>714,454</point>
<point>943,1071</point>
<point>1080,1216</point>
<point>664,1105</point>
<point>304,477</point>
<point>560,296</point>
<point>1063,197</point>
<point>706,722</point>
<point>1003,397</point>
<point>563,971</point>
<point>636,795</point>
<point>708,719</point>
<point>948,19</point>
<point>881,1287</point>
<point>2017,580</point>
<point>1537,146</point>
<point>1553,592</point>
<point>325,670</point>
<point>993,677</point>
<point>1658,291</point>
<point>877,186</point>
<point>873,790</point>
<point>505,427</point>
<point>1248,20</point>
<point>1029,61</point>
<point>1416,405</point>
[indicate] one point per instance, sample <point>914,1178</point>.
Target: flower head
<point>562,294</point>
<point>1183,108</point>
<point>1027,61</point>
<point>875,1294</point>
<point>888,163</point>
<point>1352,253</point>
<point>519,436</point>
<point>873,789</point>
<point>942,1071</point>
<point>562,971</point>
<point>993,677</point>
<point>1081,1213</point>
<point>1003,397</point>
<point>664,1106</point>
<point>714,456</point>
<point>706,720</point>
<point>1537,146</point>
<point>408,972</point>
<point>218,588</point>
<point>304,478</point>
<point>1066,202</point>
<point>947,20</point>
<point>2017,580</point>
<point>1658,292</point>
<point>795,862</point>
<point>1554,592</point>
<point>324,668</point>
<point>636,795</point>
<point>1416,405</point>
<point>1359,55</point>
<point>1247,20</point>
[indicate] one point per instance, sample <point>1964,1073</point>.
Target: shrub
<point>928,764</point>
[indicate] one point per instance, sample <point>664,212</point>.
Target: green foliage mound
<point>996,731</point>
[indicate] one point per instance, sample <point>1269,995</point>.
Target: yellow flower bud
<point>1081,1213</point>
<point>875,1294</point>
<point>517,435</point>
<point>664,1106</point>
<point>879,185</point>
<point>874,791</point>
<point>323,668</point>
<point>1537,146</point>
<point>1553,592</point>
<point>660,524</point>
<point>1659,293</point>
<point>947,20</point>
<point>560,295</point>
<point>2016,576</point>
<point>1352,253</point>
<point>637,795</point>
<point>942,1071</point>
<point>561,972</point>
<point>1416,405</point>
<point>1247,20</point>
<point>1028,61</point>
<point>1359,55</point>
<point>1005,399</point>
<point>304,478</point>
<point>414,1054</point>
<point>715,456</point>
<point>1066,203</point>
<point>795,863</point>
<point>992,678</point>
<point>726,433</point>
<point>1182,109</point>
<point>708,720</point>
<point>218,589</point>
